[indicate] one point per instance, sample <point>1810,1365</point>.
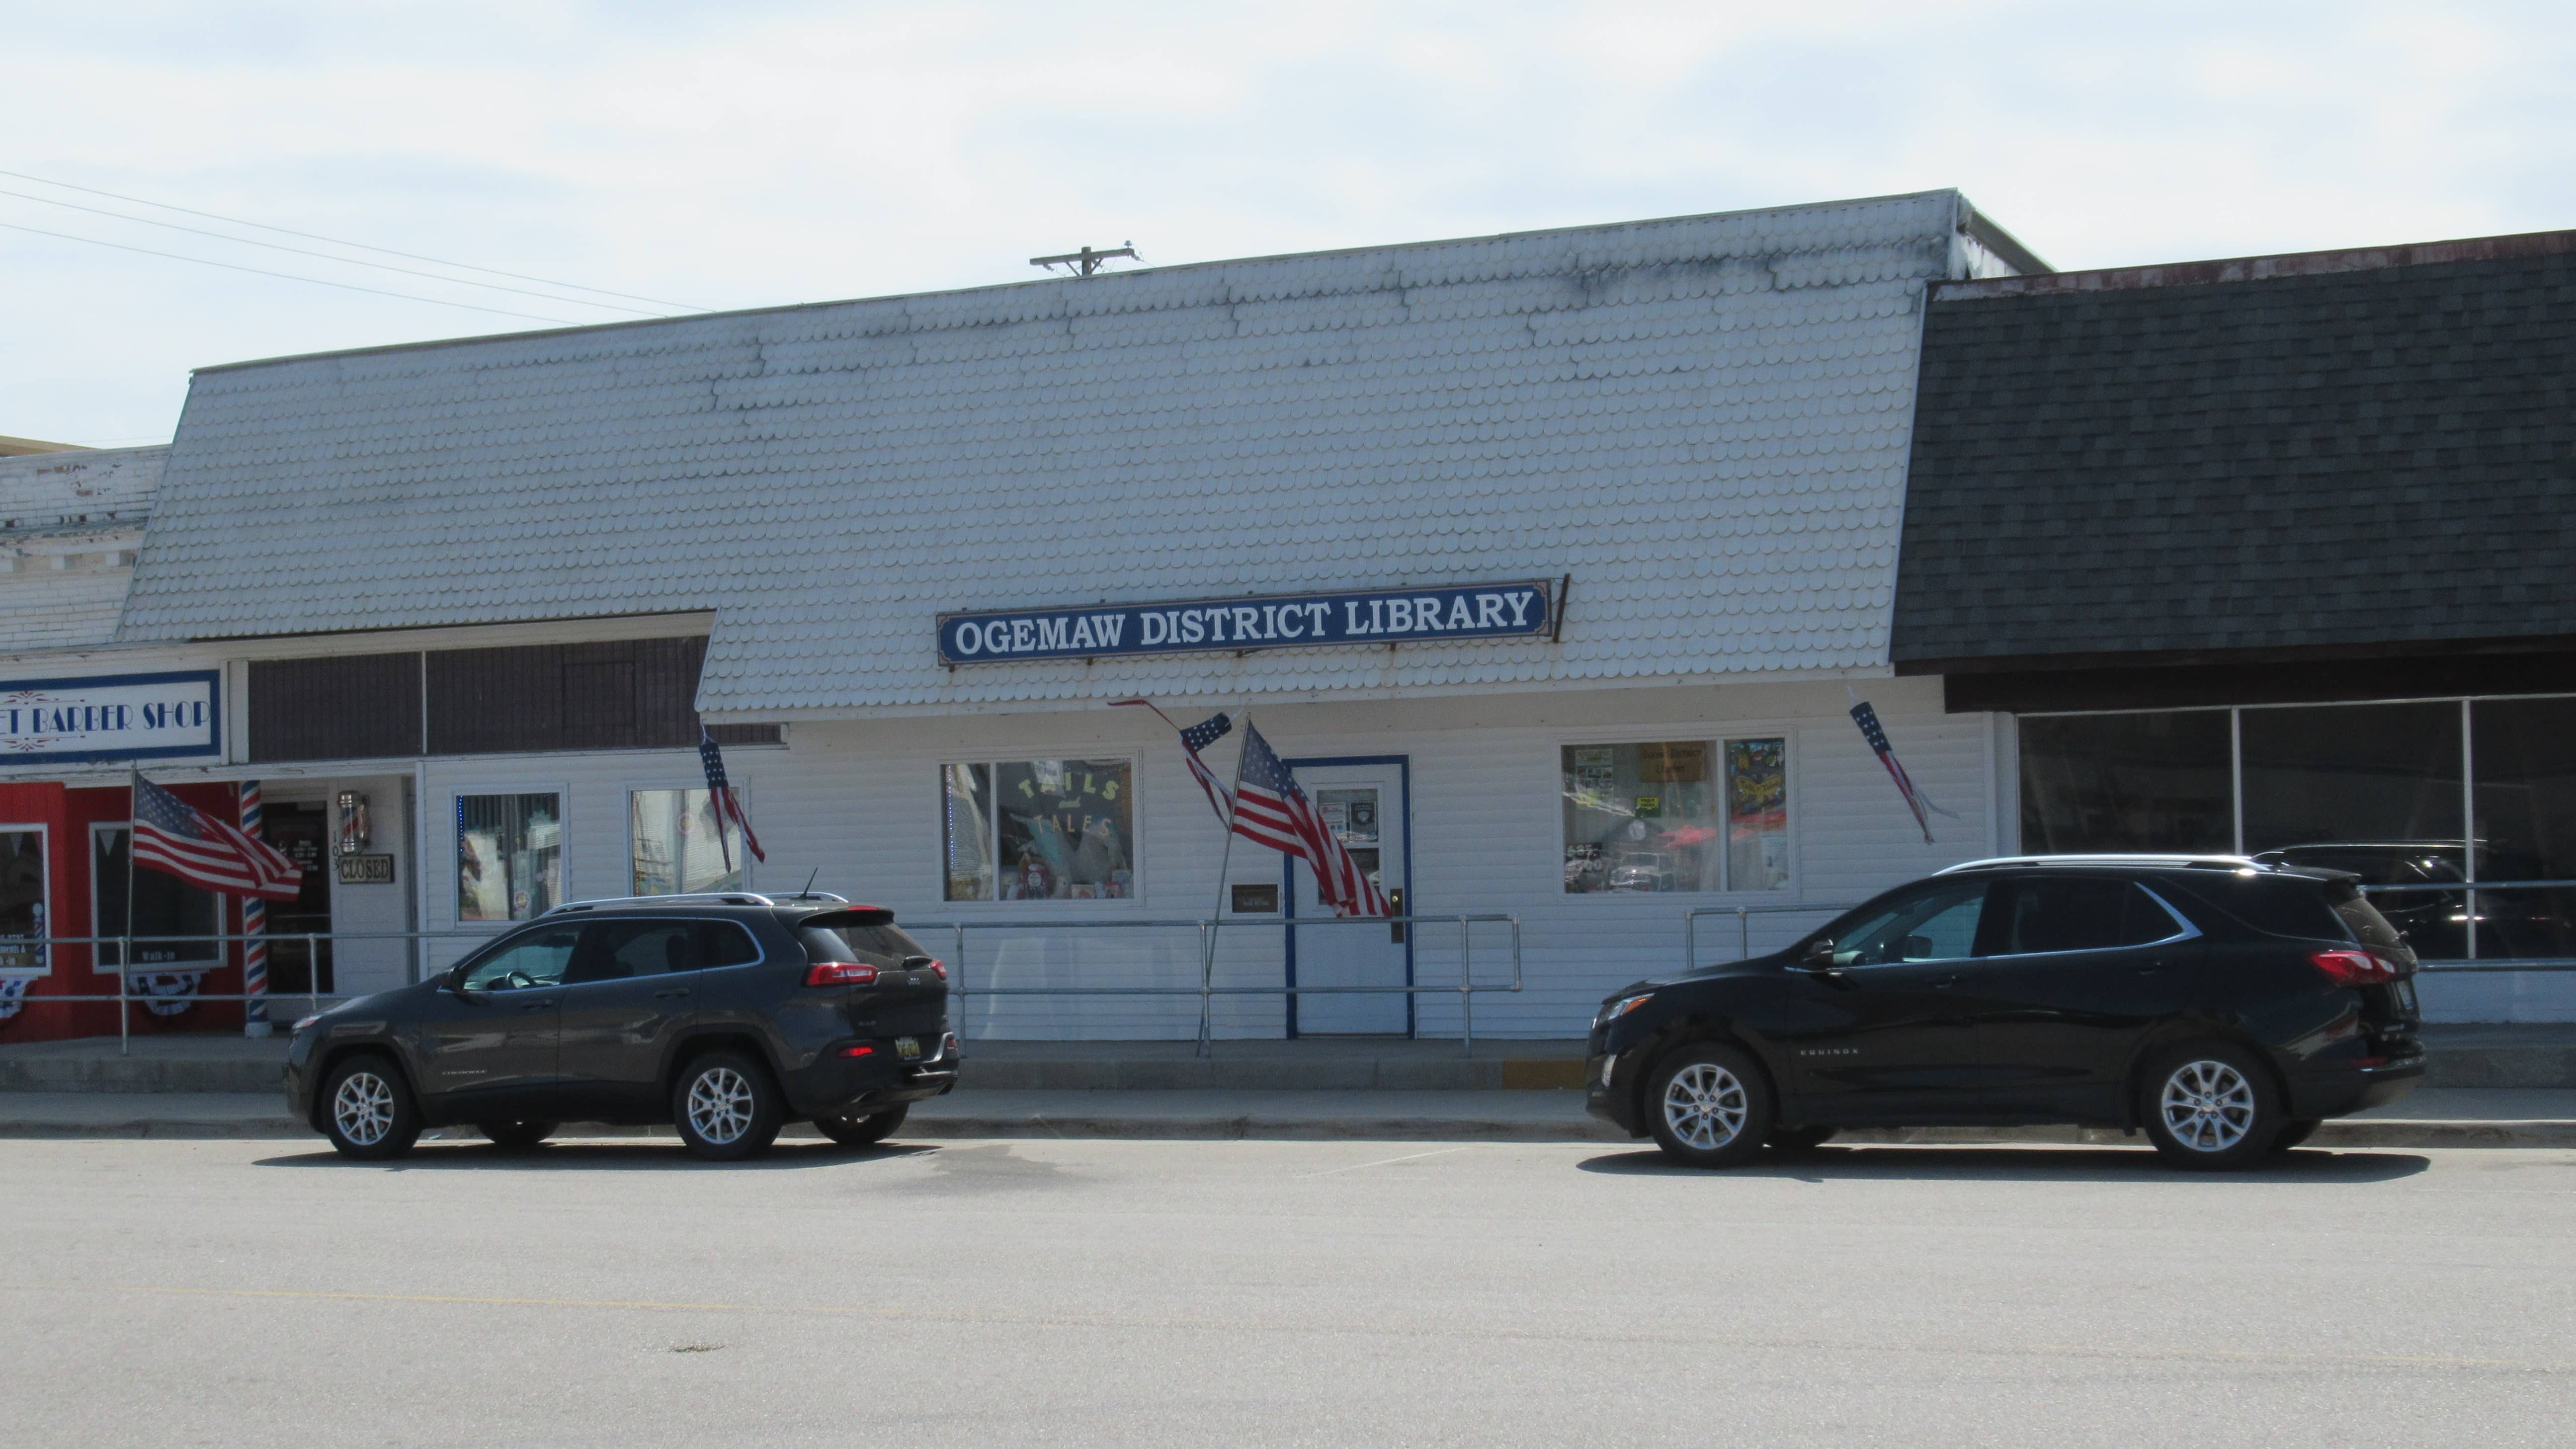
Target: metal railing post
<point>1207,988</point>
<point>312,974</point>
<point>124,964</point>
<point>959,931</point>
<point>1743,933</point>
<point>1466,987</point>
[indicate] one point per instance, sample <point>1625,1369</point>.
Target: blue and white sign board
<point>1257,621</point>
<point>112,717</point>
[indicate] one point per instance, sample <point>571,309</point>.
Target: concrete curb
<point>2346,1133</point>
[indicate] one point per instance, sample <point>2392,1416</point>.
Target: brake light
<point>840,973</point>
<point>858,1051</point>
<point>2353,968</point>
<point>941,967</point>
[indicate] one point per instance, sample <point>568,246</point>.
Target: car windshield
<point>875,945</point>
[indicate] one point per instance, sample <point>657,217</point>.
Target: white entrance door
<point>1364,805</point>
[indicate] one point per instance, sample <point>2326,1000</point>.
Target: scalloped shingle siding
<point>1704,420</point>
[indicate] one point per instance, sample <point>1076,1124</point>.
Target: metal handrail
<point>1743,926</point>
<point>1206,990</point>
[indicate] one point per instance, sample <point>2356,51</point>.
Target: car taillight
<point>941,967</point>
<point>2353,968</point>
<point>840,973</point>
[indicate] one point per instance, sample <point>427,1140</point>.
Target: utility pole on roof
<point>1086,261</point>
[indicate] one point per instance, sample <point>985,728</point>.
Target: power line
<point>290,276</point>
<point>325,256</point>
<point>335,241</point>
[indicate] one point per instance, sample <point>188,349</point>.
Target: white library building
<point>1553,565</point>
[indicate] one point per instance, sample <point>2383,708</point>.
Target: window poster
<point>22,899</point>
<point>1040,830</point>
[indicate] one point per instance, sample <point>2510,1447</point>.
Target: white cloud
<point>753,154</point>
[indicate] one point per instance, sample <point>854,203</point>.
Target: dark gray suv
<point>727,1016</point>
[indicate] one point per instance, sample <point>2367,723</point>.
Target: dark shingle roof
<point>2383,455</point>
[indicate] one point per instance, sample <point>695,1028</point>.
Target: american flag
<point>1194,739</point>
<point>728,805</point>
<point>175,839</point>
<point>1270,810</point>
<point>1876,734</point>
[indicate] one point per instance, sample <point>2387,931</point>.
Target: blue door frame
<point>1288,873</point>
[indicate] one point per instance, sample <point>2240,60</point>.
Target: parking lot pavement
<point>1261,1292</point>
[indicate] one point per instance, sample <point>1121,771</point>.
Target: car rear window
<point>2280,905</point>
<point>875,945</point>
<point>2362,918</point>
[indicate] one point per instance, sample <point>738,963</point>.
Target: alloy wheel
<point>2208,1105</point>
<point>1705,1106</point>
<point>363,1108</point>
<point>720,1105</point>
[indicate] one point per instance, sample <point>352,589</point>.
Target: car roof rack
<point>2187,862</point>
<point>730,898</point>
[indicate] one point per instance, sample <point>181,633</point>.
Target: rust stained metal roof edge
<point>2258,269</point>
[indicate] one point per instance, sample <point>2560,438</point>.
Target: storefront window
<point>2374,789</point>
<point>2152,782</point>
<point>1040,830</point>
<point>676,843</point>
<point>2526,804</point>
<point>1649,817</point>
<point>164,906</point>
<point>509,856</point>
<point>22,898</point>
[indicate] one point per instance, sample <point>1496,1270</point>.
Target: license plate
<point>908,1048</point>
<point>2406,997</point>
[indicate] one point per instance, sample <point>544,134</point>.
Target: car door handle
<point>1945,983</point>
<point>670,995</point>
<point>536,1006</point>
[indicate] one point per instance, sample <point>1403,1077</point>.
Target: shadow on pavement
<point>594,1156</point>
<point>2033,1164</point>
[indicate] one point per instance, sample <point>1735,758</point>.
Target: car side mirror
<point>1818,957</point>
<point>454,981</point>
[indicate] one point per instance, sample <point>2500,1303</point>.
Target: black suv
<point>2224,1005</point>
<point>728,1016</point>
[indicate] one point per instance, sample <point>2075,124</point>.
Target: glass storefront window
<point>1650,816</point>
<point>509,856</point>
<point>164,905</point>
<point>2526,809</point>
<point>2149,782</point>
<point>22,898</point>
<point>676,844</point>
<point>1040,830</point>
<point>2381,790</point>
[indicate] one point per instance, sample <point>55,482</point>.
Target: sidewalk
<point>2435,1117</point>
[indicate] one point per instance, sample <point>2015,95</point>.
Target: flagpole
<point>1224,861</point>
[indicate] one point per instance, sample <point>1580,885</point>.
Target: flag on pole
<point>1270,810</point>
<point>728,805</point>
<point>1193,740</point>
<point>176,839</point>
<point>1876,734</point>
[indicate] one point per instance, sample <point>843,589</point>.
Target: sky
<point>748,154</point>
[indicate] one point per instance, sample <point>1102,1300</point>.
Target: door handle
<point>536,1006</point>
<point>1945,983</point>
<point>670,995</point>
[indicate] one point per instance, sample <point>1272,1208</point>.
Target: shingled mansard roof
<point>2349,450</point>
<point>1703,420</point>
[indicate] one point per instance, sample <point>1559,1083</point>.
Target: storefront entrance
<point>1366,803</point>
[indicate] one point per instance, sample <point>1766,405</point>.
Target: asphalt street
<point>1118,1292</point>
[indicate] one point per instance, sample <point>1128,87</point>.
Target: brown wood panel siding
<point>354,707</point>
<point>628,695</point>
<point>747,734</point>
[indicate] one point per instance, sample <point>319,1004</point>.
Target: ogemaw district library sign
<point>1253,621</point>
<point>112,717</point>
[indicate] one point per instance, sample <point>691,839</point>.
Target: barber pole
<point>254,930</point>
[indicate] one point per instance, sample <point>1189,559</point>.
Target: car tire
<point>368,1110</point>
<point>1800,1139</point>
<point>2211,1107</point>
<point>726,1107</point>
<point>518,1136</point>
<point>1709,1106</point>
<point>2295,1133</point>
<point>864,1131</point>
